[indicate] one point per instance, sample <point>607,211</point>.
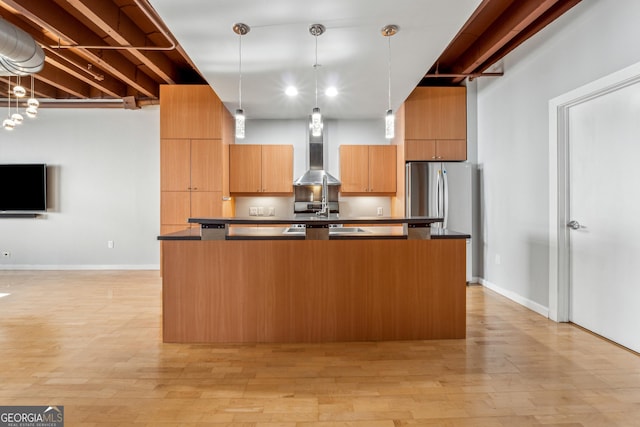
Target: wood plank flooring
<point>91,341</point>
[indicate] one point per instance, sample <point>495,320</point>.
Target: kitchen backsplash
<point>283,206</point>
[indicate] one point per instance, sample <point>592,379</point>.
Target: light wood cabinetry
<point>368,169</point>
<point>435,149</point>
<point>195,131</point>
<point>260,169</point>
<point>436,124</point>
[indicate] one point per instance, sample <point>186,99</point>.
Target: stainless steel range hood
<point>316,171</point>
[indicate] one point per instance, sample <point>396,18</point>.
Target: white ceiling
<point>279,51</point>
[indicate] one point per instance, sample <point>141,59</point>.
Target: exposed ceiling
<point>116,53</point>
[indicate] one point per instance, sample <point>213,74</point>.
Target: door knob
<point>575,225</point>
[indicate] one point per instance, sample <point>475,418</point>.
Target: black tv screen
<point>23,187</point>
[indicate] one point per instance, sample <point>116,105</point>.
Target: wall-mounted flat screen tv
<point>23,187</point>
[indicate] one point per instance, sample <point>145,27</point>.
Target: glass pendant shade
<point>19,91</point>
<point>316,122</point>
<point>389,125</point>
<point>17,118</point>
<point>240,123</point>
<point>8,124</point>
<point>32,112</point>
<point>32,102</point>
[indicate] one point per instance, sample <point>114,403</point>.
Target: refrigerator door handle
<point>407,195</point>
<point>445,212</point>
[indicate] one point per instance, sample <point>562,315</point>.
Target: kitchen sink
<point>332,230</point>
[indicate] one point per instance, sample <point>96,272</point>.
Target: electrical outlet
<point>272,211</point>
<point>6,254</point>
<point>260,210</point>
<point>110,244</point>
<point>253,211</point>
<point>498,260</point>
<point>380,211</point>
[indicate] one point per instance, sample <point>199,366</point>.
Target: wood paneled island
<point>371,286</point>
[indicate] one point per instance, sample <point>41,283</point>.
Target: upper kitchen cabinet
<point>260,169</point>
<point>367,169</point>
<point>436,123</point>
<point>190,111</point>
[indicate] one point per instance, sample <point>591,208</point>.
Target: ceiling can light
<point>389,120</point>
<point>240,29</point>
<point>315,124</point>
<point>291,91</point>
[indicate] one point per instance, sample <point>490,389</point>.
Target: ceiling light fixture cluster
<point>315,123</point>
<point>19,91</point>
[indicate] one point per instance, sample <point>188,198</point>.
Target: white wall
<point>592,40</point>
<point>103,170</point>
<point>294,132</point>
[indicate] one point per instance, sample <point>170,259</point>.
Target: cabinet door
<point>354,168</point>
<point>277,168</point>
<point>190,111</point>
<point>175,161</point>
<point>451,149</point>
<point>245,168</point>
<point>382,168</point>
<point>452,117</point>
<point>175,207</point>
<point>420,150</point>
<point>206,162</point>
<point>421,120</point>
<point>206,204</point>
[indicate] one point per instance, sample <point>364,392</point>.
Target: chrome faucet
<point>325,211</point>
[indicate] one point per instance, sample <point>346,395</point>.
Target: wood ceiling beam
<point>59,22</point>
<point>118,26</point>
<point>52,76</point>
<point>70,64</point>
<point>515,19</point>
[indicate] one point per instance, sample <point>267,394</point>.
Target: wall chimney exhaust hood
<point>316,171</point>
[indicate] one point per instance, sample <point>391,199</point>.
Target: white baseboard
<point>80,267</point>
<point>531,305</point>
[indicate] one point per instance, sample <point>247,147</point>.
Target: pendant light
<point>389,120</point>
<point>240,29</point>
<point>17,117</point>
<point>18,90</point>
<point>315,126</point>
<point>8,123</point>
<point>32,103</point>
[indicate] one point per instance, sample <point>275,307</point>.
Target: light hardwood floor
<point>91,341</point>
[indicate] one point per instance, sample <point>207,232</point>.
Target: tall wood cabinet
<point>195,133</point>
<point>368,169</point>
<point>436,124</point>
<point>260,169</point>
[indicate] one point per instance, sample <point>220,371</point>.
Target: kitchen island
<point>251,280</point>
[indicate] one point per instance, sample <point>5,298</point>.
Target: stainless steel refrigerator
<point>441,189</point>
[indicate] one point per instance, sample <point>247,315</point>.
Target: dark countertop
<point>278,233</point>
<point>313,220</point>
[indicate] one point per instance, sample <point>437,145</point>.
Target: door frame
<point>559,137</point>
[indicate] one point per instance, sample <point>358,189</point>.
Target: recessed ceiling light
<point>331,91</point>
<point>291,91</point>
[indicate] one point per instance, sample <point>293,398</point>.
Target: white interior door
<point>604,199</point>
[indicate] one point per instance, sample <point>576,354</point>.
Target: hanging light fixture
<point>389,120</point>
<point>17,117</point>
<point>240,29</point>
<point>315,126</point>
<point>18,90</point>
<point>32,104</point>
<point>8,123</point>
